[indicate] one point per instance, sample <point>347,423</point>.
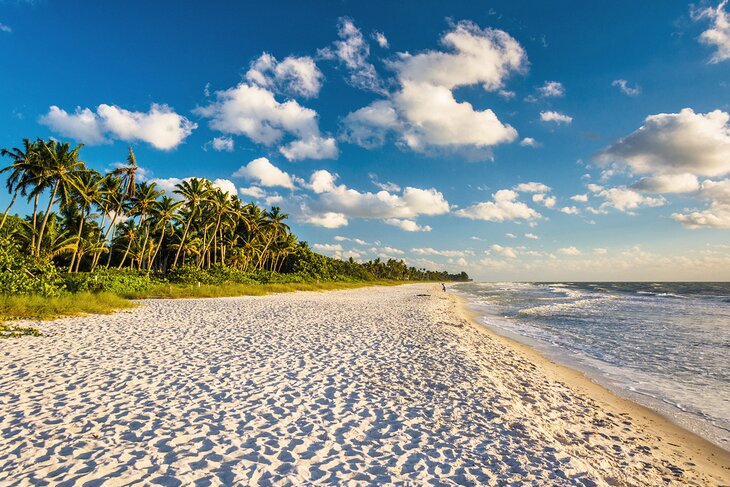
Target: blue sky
<point>540,141</point>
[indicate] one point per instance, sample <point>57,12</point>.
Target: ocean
<point>663,345</point>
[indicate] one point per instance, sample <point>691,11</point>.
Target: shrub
<point>23,274</point>
<point>116,281</point>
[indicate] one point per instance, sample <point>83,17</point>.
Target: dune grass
<point>174,291</point>
<point>30,307</point>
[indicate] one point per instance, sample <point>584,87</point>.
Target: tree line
<point>83,220</point>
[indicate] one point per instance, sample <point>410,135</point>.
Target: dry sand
<point>367,386</point>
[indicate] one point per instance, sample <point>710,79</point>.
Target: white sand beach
<point>369,386</point>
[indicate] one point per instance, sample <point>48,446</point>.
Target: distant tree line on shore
<point>83,221</point>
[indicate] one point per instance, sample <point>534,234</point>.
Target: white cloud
<point>569,251</point>
<point>557,117</point>
<point>381,39</point>
<point>327,247</point>
<point>529,142</point>
<point>600,251</point>
<point>407,225</point>
<point>265,173</point>
<point>532,236</point>
<point>668,183</point>
<point>503,207</point>
<point>510,235</point>
<point>161,127</point>
<point>5,28</point>
<point>623,199</point>
<point>545,200</point>
<point>327,219</point>
<point>322,181</point>
<point>718,35</point>
<point>313,147</point>
<point>676,143</point>
<point>623,85</point>
<point>295,75</point>
<point>424,112</point>
<point>532,187</point>
<point>253,191</point>
<point>253,111</point>
<point>582,198</point>
<point>358,241</point>
<point>552,89</point>
<point>508,252</point>
<point>506,94</point>
<point>226,186</point>
<point>570,210</point>
<point>442,253</point>
<point>717,215</point>
<point>368,126</point>
<point>386,186</point>
<point>353,51</point>
<point>222,144</point>
<point>411,203</point>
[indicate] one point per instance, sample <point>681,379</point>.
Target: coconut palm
<point>17,181</point>
<point>194,191</point>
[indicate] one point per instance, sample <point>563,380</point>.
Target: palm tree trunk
<point>5,215</point>
<point>159,246</point>
<point>126,252</point>
<point>182,241</point>
<point>35,218</point>
<point>45,217</point>
<point>78,240</point>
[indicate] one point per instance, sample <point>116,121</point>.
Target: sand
<point>367,386</point>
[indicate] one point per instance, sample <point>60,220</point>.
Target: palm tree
<point>59,162</point>
<point>86,192</point>
<point>143,203</point>
<point>17,181</point>
<point>275,226</point>
<point>165,211</point>
<point>193,191</point>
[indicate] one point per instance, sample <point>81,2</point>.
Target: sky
<point>526,141</point>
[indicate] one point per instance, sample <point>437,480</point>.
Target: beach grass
<point>176,291</point>
<point>33,307</point>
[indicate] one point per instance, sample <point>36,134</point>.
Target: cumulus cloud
<point>532,187</point>
<point>222,144</point>
<point>253,191</point>
<point>265,173</point>
<point>569,251</point>
<point>551,89</point>
<point>294,75</point>
<point>5,28</point>
<point>508,252</point>
<point>717,215</point>
<point>600,251</point>
<point>532,236</point>
<point>352,51</point>
<point>442,253</point>
<point>718,35</point>
<point>557,117</point>
<point>529,142</point>
<point>675,143</point>
<point>582,198</point>
<point>623,85</point>
<point>254,112</point>
<point>623,199</point>
<point>545,200</point>
<point>570,210</point>
<point>160,127</point>
<point>394,209</point>
<point>503,207</point>
<point>226,186</point>
<point>381,39</point>
<point>668,183</point>
<point>327,247</point>
<point>407,225</point>
<point>368,126</point>
<point>329,219</point>
<point>423,110</point>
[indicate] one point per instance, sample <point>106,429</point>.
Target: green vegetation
<point>110,237</point>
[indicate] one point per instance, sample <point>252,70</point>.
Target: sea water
<point>663,345</point>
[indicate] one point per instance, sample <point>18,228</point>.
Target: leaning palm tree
<point>86,191</point>
<point>17,181</point>
<point>165,212</point>
<point>143,203</point>
<point>59,163</point>
<point>194,192</point>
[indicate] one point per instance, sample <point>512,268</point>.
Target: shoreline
<point>378,385</point>
<point>711,457</point>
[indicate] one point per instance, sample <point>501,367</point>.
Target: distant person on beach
<point>443,286</point>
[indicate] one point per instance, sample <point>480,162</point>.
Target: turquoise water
<point>665,345</point>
